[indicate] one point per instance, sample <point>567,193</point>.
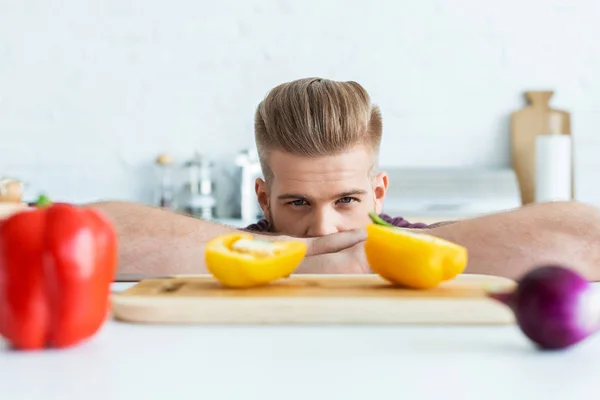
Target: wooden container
<point>11,190</point>
<point>526,123</point>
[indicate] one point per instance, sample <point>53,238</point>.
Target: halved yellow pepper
<point>413,260</point>
<point>238,260</point>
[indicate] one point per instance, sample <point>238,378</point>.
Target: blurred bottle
<point>249,164</point>
<point>166,191</point>
<point>197,197</point>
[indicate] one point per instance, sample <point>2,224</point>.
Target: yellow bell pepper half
<point>413,260</point>
<point>238,260</point>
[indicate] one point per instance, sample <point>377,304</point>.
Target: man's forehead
<point>288,177</point>
<point>320,177</point>
<point>351,163</point>
<point>298,177</point>
<point>318,183</point>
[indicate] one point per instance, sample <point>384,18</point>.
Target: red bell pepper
<point>56,267</point>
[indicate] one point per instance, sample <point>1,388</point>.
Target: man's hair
<point>316,117</point>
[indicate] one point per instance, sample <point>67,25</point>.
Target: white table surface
<point>126,361</point>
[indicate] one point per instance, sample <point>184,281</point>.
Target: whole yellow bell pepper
<point>238,260</point>
<point>410,259</point>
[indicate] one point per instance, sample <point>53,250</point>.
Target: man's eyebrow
<point>353,192</point>
<point>288,196</point>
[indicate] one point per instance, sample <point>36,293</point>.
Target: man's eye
<point>297,203</point>
<point>347,200</point>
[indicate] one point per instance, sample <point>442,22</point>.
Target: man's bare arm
<point>511,243</point>
<point>153,241</point>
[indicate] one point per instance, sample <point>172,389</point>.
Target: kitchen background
<point>91,92</point>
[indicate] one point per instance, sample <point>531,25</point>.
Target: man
<point>318,142</point>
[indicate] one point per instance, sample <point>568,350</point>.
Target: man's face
<point>312,197</point>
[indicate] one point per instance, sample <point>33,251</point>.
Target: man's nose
<point>322,225</point>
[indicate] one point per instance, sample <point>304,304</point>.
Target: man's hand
<point>337,253</point>
<point>335,242</point>
<point>326,244</point>
<point>351,260</point>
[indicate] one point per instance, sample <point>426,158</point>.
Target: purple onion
<point>555,307</point>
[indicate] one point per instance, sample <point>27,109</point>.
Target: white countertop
<point>126,361</point>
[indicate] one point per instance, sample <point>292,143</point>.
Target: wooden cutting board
<point>312,299</point>
<point>526,123</point>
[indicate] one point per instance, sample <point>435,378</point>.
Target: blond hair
<point>316,117</point>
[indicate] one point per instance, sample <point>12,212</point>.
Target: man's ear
<point>379,189</point>
<point>262,194</point>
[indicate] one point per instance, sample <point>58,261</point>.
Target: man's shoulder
<point>260,226</point>
<point>402,223</point>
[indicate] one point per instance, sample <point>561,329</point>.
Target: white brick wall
<point>91,91</point>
